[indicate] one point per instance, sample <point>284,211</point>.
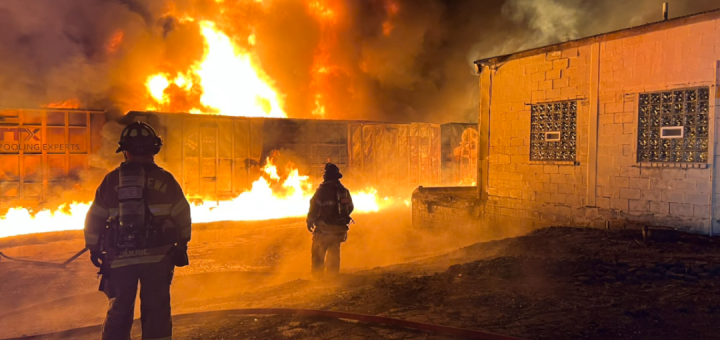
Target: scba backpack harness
<point>343,206</point>
<point>134,229</point>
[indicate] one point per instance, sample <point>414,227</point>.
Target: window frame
<point>574,158</point>
<point>710,128</point>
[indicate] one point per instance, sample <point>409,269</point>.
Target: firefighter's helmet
<point>140,139</point>
<point>332,172</point>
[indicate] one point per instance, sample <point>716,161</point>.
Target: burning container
<point>41,150</point>
<point>216,155</point>
<point>49,153</point>
<point>459,153</point>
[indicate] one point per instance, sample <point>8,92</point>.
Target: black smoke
<point>420,71</point>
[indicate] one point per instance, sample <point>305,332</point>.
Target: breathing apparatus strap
<point>133,212</point>
<point>343,200</point>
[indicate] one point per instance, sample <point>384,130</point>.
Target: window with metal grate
<point>673,126</point>
<point>553,131</point>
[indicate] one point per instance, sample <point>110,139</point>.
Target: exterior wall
<point>446,207</point>
<point>606,182</point>
<point>523,194</point>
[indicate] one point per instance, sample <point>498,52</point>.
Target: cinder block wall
<point>445,207</point>
<point>523,195</point>
<point>606,183</point>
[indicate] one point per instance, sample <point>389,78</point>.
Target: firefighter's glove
<point>311,227</point>
<point>97,258</point>
<point>180,255</point>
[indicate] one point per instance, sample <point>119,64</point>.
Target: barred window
<point>553,131</point>
<point>673,126</point>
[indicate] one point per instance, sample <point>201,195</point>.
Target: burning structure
<point>57,156</point>
<point>215,59</point>
<point>618,127</point>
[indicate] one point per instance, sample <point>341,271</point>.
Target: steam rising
<point>397,60</point>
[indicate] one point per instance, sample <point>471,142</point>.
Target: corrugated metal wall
<point>459,153</point>
<point>211,156</point>
<point>316,141</point>
<point>395,155</point>
<point>41,149</point>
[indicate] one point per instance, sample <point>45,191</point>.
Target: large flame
<point>230,81</point>
<point>322,66</point>
<point>271,197</point>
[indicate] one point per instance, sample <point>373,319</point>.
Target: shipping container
<point>44,151</point>
<point>56,153</point>
<point>216,155</point>
<point>400,156</point>
<point>459,153</point>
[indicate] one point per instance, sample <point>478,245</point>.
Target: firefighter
<point>137,229</point>
<point>328,221</point>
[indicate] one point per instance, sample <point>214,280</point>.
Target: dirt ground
<point>555,283</point>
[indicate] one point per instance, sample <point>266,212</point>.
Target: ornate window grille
<point>553,131</point>
<point>673,126</point>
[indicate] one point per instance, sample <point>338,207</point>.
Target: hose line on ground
<point>43,263</point>
<point>373,319</point>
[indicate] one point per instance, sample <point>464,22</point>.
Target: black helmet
<point>332,172</point>
<point>140,139</point>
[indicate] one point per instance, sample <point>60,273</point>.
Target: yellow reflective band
<point>179,207</point>
<point>113,211</point>
<point>98,211</point>
<point>160,209</point>
<point>136,260</point>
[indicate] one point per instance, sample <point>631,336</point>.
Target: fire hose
<point>373,319</point>
<point>43,263</point>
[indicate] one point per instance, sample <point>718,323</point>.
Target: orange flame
<point>391,8</point>
<point>271,197</point>
<point>321,63</point>
<point>66,104</point>
<point>230,81</point>
<point>115,41</point>
<point>321,9</point>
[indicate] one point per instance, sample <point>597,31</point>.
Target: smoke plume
<point>393,60</point>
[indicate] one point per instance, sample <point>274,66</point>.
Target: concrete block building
<point>620,127</point>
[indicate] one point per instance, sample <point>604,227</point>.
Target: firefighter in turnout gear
<point>328,220</point>
<point>137,229</point>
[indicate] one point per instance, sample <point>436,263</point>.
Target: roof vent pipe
<point>665,10</point>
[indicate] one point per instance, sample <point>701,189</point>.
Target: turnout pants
<point>326,249</point>
<point>121,289</point>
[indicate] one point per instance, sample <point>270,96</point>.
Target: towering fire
<point>321,63</point>
<point>161,67</point>
<point>229,80</point>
